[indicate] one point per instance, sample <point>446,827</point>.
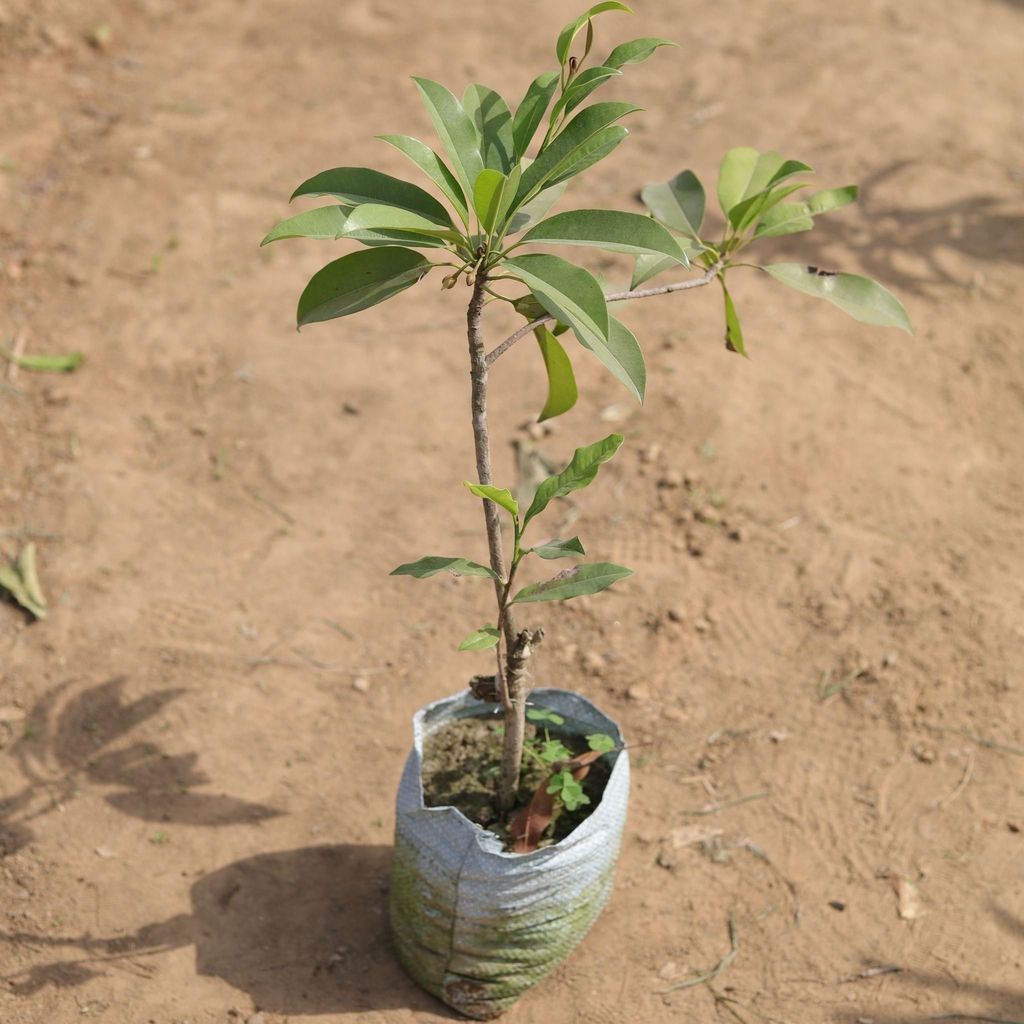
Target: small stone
<point>594,662</point>
<point>702,625</point>
<point>924,753</point>
<point>837,905</point>
<point>676,614</point>
<point>650,453</point>
<point>674,714</point>
<point>361,684</point>
<point>671,479</point>
<point>257,1018</point>
<point>638,692</point>
<point>350,409</point>
<point>694,547</point>
<point>736,533</point>
<point>101,37</point>
<point>612,414</point>
<point>668,971</point>
<point>706,514</point>
<point>1013,827</point>
<point>890,659</point>
<point>535,431</point>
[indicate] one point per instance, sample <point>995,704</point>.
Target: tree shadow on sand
<point>70,741</point>
<point>300,931</point>
<point>965,1001</point>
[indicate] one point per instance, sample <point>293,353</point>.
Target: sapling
<point>501,172</point>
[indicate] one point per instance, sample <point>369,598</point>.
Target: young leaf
<point>563,152</point>
<point>733,330</point>
<point>831,199</point>
<point>456,131</point>
<point>358,281</point>
<point>574,582</point>
<point>635,51</point>
<point>499,495</point>
<point>375,217</point>
<point>357,185</point>
<point>554,750</point>
<point>481,639</point>
<point>569,293</point>
<point>745,172</point>
<point>569,33</point>
<point>544,715</point>
<point>758,205</point>
<point>488,197</point>
<point>678,203</point>
<point>559,549</point>
<point>562,391</point>
<point>325,222</point>
<point>865,300</point>
<point>578,474</point>
<point>433,564</point>
<point>613,230</point>
<point>650,266</point>
<point>493,121</point>
<point>621,354</point>
<point>530,112</point>
<point>581,87</point>
<point>601,742</point>
<point>785,219</point>
<point>434,167</point>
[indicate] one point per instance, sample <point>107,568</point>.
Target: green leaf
<point>488,197</point>
<point>499,495</point>
<point>790,218</point>
<point>324,222</point>
<point>530,112</point>
<point>456,131</point>
<point>537,714</point>
<point>569,33</point>
<point>533,212</point>
<point>564,151</point>
<point>650,266</point>
<point>758,205</point>
<point>580,472</point>
<point>678,203</point>
<point>358,281</point>
<point>433,564</point>
<point>581,87</point>
<point>745,172</point>
<point>374,217</point>
<point>595,149</point>
<point>831,199</point>
<point>623,356</point>
<point>357,185</point>
<point>601,741</point>
<point>574,582</point>
<point>562,393</point>
<point>481,639</point>
<point>865,300</point>
<point>435,169</point>
<point>554,750</point>
<point>493,121</point>
<point>381,237</point>
<point>613,230</point>
<point>567,292</point>
<point>733,330</point>
<point>636,51</point>
<point>559,549</point>
<point>21,581</point>
<point>44,363</point>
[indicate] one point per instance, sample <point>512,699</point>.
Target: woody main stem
<point>511,686</point>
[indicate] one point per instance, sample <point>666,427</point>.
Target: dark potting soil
<point>460,769</point>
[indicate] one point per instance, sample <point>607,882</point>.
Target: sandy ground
<point>195,798</point>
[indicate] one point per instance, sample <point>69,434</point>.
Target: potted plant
<point>512,802</point>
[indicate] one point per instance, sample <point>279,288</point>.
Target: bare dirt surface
<point>202,741</point>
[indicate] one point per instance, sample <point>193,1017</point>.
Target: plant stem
<point>510,686</point>
<point>640,293</point>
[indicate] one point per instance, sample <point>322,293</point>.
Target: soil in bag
<point>460,769</point>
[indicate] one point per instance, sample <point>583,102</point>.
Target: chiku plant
<point>498,198</point>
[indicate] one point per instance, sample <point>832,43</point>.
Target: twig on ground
<point>722,965</point>
<point>751,847</point>
<point>639,293</point>
<point>16,352</point>
<point>728,804</point>
<point>872,972</point>
<point>960,786</point>
<point>980,740</point>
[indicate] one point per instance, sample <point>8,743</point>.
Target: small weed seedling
<point>502,170</point>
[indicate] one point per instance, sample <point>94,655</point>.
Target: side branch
<point>640,293</point>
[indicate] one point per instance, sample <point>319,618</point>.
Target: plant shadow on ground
<point>980,227</point>
<point>300,931</point>
<point>994,1004</point>
<point>72,741</point>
